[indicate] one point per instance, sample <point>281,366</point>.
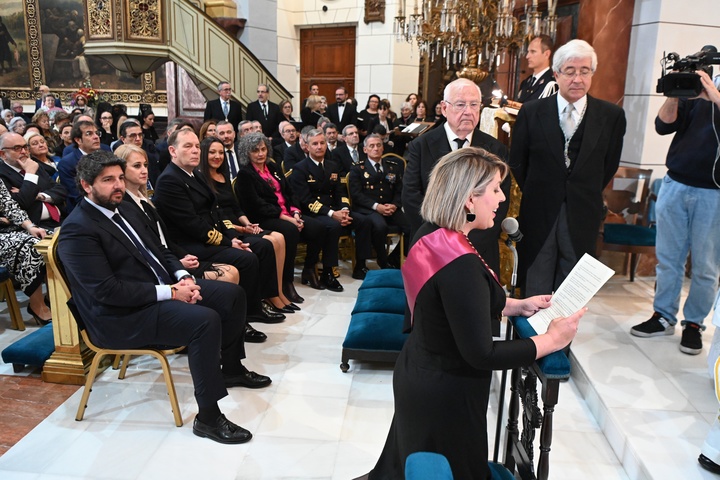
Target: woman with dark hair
<point>265,195</point>
<point>104,121</point>
<point>412,99</point>
<point>147,122</point>
<point>441,382</point>
<point>368,115</point>
<point>421,112</point>
<point>215,167</point>
<point>286,110</point>
<point>437,111</point>
<point>383,119</point>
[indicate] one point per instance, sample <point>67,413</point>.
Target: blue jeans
<point>688,220</point>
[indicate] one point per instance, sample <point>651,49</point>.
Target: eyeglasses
<point>262,91</point>
<point>106,118</point>
<point>290,131</point>
<point>91,133</point>
<point>461,106</point>
<point>17,148</point>
<point>133,136</point>
<point>571,73</point>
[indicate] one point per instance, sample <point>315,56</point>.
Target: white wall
<point>660,26</point>
<point>383,66</point>
<point>260,32</point>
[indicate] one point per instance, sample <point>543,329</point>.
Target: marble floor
<point>633,409</point>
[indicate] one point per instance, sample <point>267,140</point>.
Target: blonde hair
<point>124,151</point>
<point>455,178</point>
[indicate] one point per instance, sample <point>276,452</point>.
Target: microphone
<point>511,227</point>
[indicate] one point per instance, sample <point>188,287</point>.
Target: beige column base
<point>220,8</point>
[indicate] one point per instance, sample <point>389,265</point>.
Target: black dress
<point>441,381</point>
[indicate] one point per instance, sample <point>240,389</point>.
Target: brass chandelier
<point>472,34</point>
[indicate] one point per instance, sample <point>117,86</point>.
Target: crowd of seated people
<point>242,217</point>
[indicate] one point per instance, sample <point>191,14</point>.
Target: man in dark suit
<point>86,139</point>
<point>226,135</point>
<point>349,152</point>
<point>224,108</point>
<point>265,112</point>
<point>342,113</point>
<point>131,134</point>
<point>132,293</point>
<point>541,83</point>
<point>376,191</point>
<point>461,106</point>
<point>317,188</point>
<point>565,149</point>
<point>29,184</point>
<point>289,137</point>
<point>190,210</point>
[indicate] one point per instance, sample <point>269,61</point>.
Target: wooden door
<point>327,58</point>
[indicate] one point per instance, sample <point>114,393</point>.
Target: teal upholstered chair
<point>626,228</point>
<point>434,466</point>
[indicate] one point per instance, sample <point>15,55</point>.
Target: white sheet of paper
<point>584,281</point>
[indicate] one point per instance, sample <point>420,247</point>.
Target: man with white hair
<point>461,106</point>
<point>565,149</point>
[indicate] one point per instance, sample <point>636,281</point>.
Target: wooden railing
<point>137,37</point>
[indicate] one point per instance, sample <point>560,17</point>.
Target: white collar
<point>579,106</point>
<point>538,75</point>
<point>451,136</point>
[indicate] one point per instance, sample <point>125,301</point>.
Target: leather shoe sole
<point>254,336</point>
<point>224,431</point>
<point>248,380</point>
<point>708,464</point>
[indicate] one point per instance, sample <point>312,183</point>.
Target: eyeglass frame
<point>18,148</point>
<point>571,73</point>
<point>473,106</point>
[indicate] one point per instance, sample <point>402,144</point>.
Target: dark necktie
<point>264,105</point>
<point>460,142</point>
<point>231,162</point>
<point>159,270</point>
<point>378,167</point>
<point>532,81</point>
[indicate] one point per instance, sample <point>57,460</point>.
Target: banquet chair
<point>7,292</point>
<point>160,353</point>
<point>626,227</point>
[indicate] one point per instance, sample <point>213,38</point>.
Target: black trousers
<point>379,226</point>
<point>213,330</point>
<point>327,231</point>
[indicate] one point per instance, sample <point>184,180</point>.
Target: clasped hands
<point>187,291</point>
<point>342,216</point>
<point>386,209</point>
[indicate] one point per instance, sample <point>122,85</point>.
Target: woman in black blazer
<point>266,199</point>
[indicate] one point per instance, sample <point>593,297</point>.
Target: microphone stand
<point>508,336</point>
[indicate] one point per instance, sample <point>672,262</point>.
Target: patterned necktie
<point>226,109</point>
<point>231,161</point>
<point>159,270</point>
<point>354,155</point>
<point>568,121</point>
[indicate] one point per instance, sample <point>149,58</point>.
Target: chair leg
<point>16,319</point>
<point>88,386</point>
<point>125,363</point>
<point>167,373</point>
<point>634,260</point>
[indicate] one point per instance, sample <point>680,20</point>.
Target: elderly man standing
<point>461,106</point>
<point>224,108</point>
<point>565,149</point>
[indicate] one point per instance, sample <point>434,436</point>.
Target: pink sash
<point>427,257</point>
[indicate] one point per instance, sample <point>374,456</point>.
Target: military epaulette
<point>345,200</point>
<point>315,206</point>
<point>287,174</point>
<point>214,237</point>
<point>391,160</point>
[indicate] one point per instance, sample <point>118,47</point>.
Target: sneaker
<point>653,327</point>
<point>691,342</point>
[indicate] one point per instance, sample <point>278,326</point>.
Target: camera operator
<point>688,216</point>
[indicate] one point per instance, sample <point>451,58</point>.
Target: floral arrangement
<point>92,95</point>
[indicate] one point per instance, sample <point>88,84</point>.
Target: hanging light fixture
<point>470,35</point>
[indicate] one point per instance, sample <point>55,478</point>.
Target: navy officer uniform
<point>370,187</point>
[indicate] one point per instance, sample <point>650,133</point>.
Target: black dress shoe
<point>275,309</point>
<point>708,464</point>
<point>309,278</point>
<point>331,283</point>
<point>265,315</point>
<point>38,320</point>
<point>254,336</point>
<point>292,306</point>
<point>291,294</point>
<point>247,379</point>
<point>359,273</point>
<point>224,431</point>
